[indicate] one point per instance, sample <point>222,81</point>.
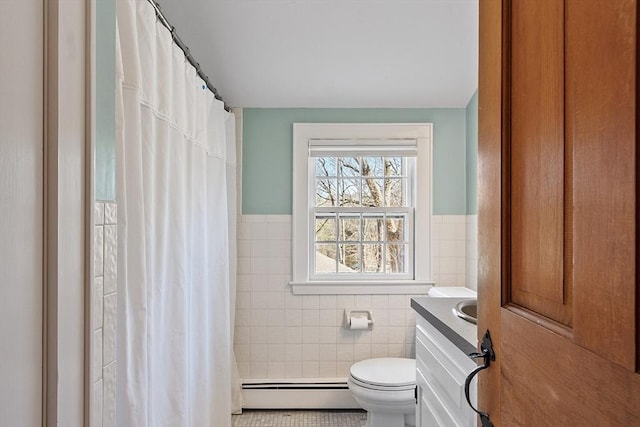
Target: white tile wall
<point>472,252</point>
<point>448,244</point>
<point>279,335</point>
<point>103,316</point>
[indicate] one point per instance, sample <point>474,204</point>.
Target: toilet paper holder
<point>349,314</point>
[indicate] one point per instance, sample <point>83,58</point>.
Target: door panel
<point>558,241</point>
<point>549,381</point>
<point>537,168</point>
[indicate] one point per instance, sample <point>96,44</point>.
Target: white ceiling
<point>334,53</point>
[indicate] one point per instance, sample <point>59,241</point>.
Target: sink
<point>467,310</point>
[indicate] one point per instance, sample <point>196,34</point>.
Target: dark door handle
<point>488,355</point>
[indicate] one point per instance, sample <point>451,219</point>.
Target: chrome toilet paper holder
<point>351,313</point>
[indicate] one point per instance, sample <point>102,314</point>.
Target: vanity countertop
<point>439,313</point>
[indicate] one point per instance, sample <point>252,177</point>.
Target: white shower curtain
<point>176,234</point>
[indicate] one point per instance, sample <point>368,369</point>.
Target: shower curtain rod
<point>187,54</point>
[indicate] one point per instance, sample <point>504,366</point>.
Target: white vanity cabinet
<point>442,367</point>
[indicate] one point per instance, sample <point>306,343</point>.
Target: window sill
<point>398,287</point>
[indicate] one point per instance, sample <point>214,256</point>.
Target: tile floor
<point>291,418</point>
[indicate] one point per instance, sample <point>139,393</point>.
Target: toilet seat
<point>389,373</point>
<point>368,386</point>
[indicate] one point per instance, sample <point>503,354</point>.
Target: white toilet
<point>385,388</point>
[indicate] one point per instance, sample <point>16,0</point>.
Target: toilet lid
<point>387,371</point>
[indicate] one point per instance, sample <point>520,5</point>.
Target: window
<point>362,208</point>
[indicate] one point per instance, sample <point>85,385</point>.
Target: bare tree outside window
<point>369,238</point>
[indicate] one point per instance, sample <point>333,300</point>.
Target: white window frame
<point>303,280</point>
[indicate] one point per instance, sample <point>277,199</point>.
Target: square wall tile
<point>258,231</point>
<point>293,317</point>
<point>310,317</point>
<point>275,370</point>
<point>327,335</point>
<point>310,369</point>
<point>96,360</point>
<point>276,300</point>
<point>310,334</point>
<point>327,302</point>
<point>276,318</point>
<point>110,213</point>
<point>109,399</point>
<point>327,369</point>
<point>276,334</point>
<point>380,350</point>
<point>259,248</point>
<point>253,218</point>
<point>109,328</point>
<point>98,248</point>
<point>259,352</point>
<point>380,335</point>
<point>293,352</point>
<point>259,335</point>
<point>342,369</point>
<point>310,352</point>
<point>361,352</point>
<point>259,300</point>
<point>327,352</point>
<point>243,369</point>
<point>110,258</point>
<point>344,352</point>
<point>258,369</point>
<point>97,301</point>
<point>329,317</point>
<point>98,214</point>
<point>293,335</point>
<point>96,405</point>
<point>275,352</point>
<point>294,370</point>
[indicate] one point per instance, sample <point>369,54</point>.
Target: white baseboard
<point>297,394</point>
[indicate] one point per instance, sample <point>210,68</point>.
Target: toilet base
<point>377,419</point>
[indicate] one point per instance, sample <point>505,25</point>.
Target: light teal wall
<point>267,152</point>
<point>472,155</point>
<point>105,156</point>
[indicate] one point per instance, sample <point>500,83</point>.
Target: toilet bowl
<point>385,388</point>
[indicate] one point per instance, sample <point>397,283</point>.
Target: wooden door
<point>21,211</point>
<point>558,238</point>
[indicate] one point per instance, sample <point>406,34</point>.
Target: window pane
<point>393,166</point>
<point>325,228</point>
<point>394,192</point>
<point>326,259</point>
<point>373,166</point>
<point>349,166</point>
<point>326,166</point>
<point>372,228</point>
<point>372,192</point>
<point>349,191</point>
<point>349,258</point>
<point>372,258</point>
<point>326,192</point>
<point>395,228</point>
<point>395,258</point>
<point>349,228</point>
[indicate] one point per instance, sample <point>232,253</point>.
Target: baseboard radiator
<point>298,394</point>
